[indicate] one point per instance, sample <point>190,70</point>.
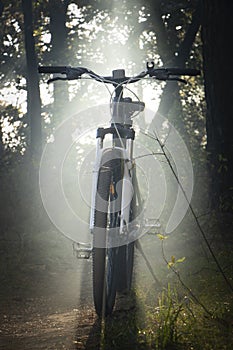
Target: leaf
<point>170,264</point>
<point>173,259</point>
<point>161,237</point>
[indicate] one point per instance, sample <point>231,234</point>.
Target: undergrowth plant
<point>178,323</point>
<point>167,315</point>
<point>162,330</point>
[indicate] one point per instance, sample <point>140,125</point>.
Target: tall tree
<point>33,92</point>
<point>59,48</point>
<point>1,7</point>
<point>217,32</point>
<point>1,143</point>
<point>173,49</point>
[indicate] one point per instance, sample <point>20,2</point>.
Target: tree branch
<point>170,91</point>
<point>160,30</point>
<point>186,45</point>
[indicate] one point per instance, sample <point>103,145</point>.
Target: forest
<point>182,295</point>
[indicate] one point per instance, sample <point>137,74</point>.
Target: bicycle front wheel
<point>106,219</point>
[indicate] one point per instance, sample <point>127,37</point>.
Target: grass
<point>177,323</point>
<point>170,318</point>
<point>171,321</point>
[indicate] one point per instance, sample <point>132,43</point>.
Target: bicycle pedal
<point>82,250</point>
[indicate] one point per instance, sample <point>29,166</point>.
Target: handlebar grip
<point>183,71</point>
<point>52,69</point>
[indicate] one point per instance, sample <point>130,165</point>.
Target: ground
<point>49,318</point>
<point>46,296</point>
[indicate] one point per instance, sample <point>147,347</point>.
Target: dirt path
<point>52,322</point>
<point>34,324</point>
<point>47,317</point>
<point>46,300</point>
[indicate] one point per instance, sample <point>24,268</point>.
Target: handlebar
<point>52,69</point>
<point>118,76</point>
<point>183,71</point>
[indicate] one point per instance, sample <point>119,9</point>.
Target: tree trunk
<point>166,51</point>
<point>217,32</point>
<point>1,7</point>
<point>59,53</point>
<point>1,144</point>
<point>33,92</point>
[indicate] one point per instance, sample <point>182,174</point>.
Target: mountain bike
<point>117,205</point>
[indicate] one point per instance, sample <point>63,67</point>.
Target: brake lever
<point>71,74</point>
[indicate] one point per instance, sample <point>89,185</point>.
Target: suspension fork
<point>127,187</point>
<point>99,152</point>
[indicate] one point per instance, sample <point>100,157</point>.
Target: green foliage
<point>173,262</point>
<point>176,323</point>
<point>169,320</point>
<point>161,237</point>
<point>167,314</point>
